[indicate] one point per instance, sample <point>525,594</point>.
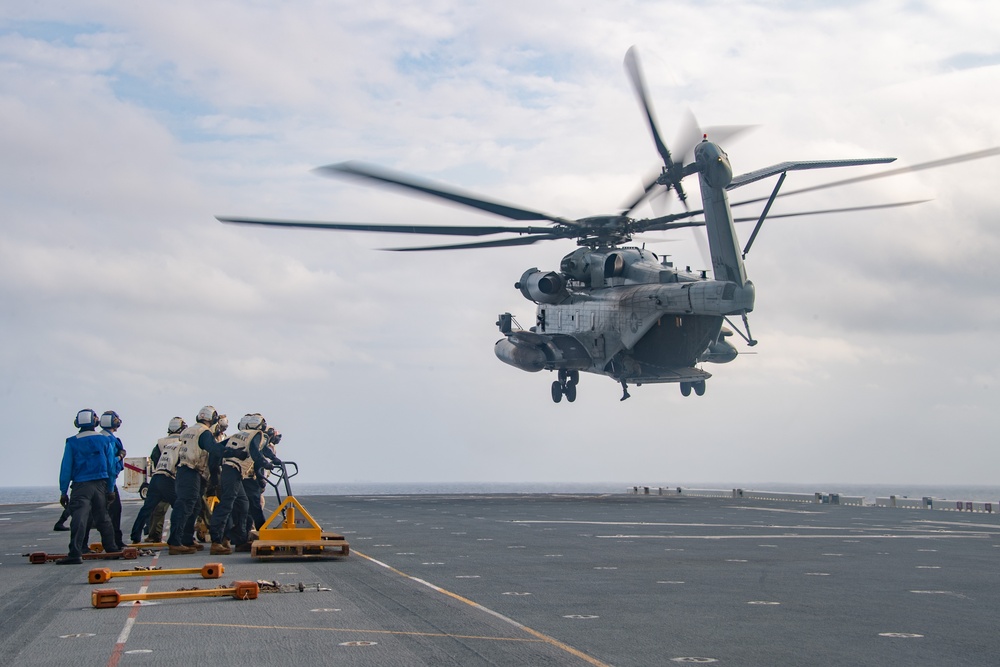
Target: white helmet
<point>223,424</point>
<point>110,420</point>
<point>252,422</point>
<point>86,418</point>
<point>176,425</point>
<point>207,415</point>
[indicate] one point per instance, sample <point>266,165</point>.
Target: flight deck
<point>539,579</point>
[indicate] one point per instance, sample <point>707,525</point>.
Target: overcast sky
<point>124,128</point>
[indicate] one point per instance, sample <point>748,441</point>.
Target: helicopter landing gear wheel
<point>686,389</point>
<point>699,387</point>
<point>565,385</point>
<point>570,391</point>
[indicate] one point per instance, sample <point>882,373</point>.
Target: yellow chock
<point>102,575</point>
<point>109,598</point>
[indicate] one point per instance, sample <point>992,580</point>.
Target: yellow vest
<point>167,463</point>
<point>241,441</point>
<point>189,454</point>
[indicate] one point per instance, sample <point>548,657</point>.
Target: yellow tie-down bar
<point>100,575</point>
<point>108,598</point>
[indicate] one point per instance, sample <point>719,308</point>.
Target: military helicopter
<point>613,309</point>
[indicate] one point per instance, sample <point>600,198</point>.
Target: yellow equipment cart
<point>290,532</point>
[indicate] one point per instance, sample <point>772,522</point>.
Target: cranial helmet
<point>208,415</point>
<point>252,422</point>
<point>176,425</point>
<point>110,420</point>
<point>223,423</point>
<point>86,418</point>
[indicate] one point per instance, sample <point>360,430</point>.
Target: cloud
<point>124,130</point>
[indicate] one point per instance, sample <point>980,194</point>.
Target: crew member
<point>197,455</point>
<point>210,497</point>
<point>160,495</point>
<point>253,480</point>
<point>89,463</point>
<point>233,503</point>
<point>110,423</point>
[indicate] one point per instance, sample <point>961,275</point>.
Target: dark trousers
<point>187,486</point>
<point>156,521</point>
<point>253,491</point>
<point>161,489</point>
<point>115,514</point>
<point>87,502</point>
<point>232,505</point>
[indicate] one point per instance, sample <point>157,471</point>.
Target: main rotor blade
<point>498,243</point>
<point>380,175</point>
<point>943,162</point>
<point>669,222</point>
<point>639,86</point>
<point>450,230</point>
<point>850,209</point>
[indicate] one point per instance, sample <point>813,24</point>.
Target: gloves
<point>64,500</point>
<point>111,497</point>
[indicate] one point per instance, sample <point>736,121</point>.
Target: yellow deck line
<point>356,630</point>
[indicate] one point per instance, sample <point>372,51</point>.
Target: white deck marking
<point>935,536</point>
<point>506,619</point>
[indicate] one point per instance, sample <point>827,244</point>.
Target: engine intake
<point>542,287</point>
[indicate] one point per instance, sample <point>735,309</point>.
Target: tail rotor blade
<point>672,172</point>
<point>639,86</point>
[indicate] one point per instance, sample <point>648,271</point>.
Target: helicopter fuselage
<point>624,313</point>
<point>621,312</point>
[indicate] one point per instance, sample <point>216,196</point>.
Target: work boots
<point>219,549</point>
<point>180,550</point>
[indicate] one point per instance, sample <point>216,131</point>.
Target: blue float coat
<point>88,456</point>
<point>119,447</point>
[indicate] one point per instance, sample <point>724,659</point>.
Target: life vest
<point>189,454</point>
<point>241,442</point>
<point>167,463</point>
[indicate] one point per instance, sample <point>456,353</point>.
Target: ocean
<point>988,493</point>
